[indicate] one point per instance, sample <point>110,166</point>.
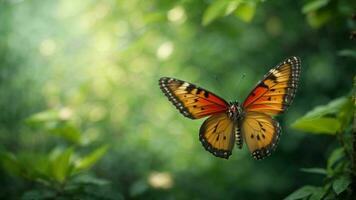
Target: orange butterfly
<point>231,123</point>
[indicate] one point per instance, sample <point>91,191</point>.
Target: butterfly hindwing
<point>261,133</point>
<point>192,101</point>
<point>217,134</point>
<point>276,91</point>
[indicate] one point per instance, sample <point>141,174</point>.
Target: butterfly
<point>232,123</point>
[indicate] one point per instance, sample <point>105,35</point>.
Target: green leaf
<point>348,53</point>
<point>314,5</point>
<point>56,122</point>
<point>87,179</point>
<point>314,170</point>
<point>319,18</point>
<point>335,156</point>
<point>341,184</point>
<point>219,8</point>
<point>215,10</point>
<point>346,113</point>
<point>246,11</point>
<point>318,125</point>
<point>44,116</point>
<point>67,132</point>
<point>323,119</point>
<point>89,160</point>
<point>318,194</point>
<point>302,192</point>
<point>61,166</point>
<point>332,107</point>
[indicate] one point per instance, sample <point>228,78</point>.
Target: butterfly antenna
<point>240,80</point>
<point>220,85</point>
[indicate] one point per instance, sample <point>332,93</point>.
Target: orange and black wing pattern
<point>261,134</point>
<point>192,101</point>
<point>276,91</point>
<point>217,134</point>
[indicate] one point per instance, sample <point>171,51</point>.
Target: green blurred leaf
<point>215,10</point>
<point>321,120</point>
<point>318,18</point>
<point>88,179</point>
<point>89,160</point>
<point>11,164</point>
<point>314,170</point>
<point>61,166</point>
<point>302,192</point>
<point>341,184</point>
<point>246,11</point>
<point>56,122</point>
<point>220,8</point>
<point>335,156</point>
<point>348,53</point>
<point>318,125</point>
<point>314,5</point>
<point>67,132</point>
<point>346,113</point>
<point>318,194</point>
<point>332,107</point>
<point>44,116</point>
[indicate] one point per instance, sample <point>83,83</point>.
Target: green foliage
<point>338,167</point>
<point>89,160</point>
<point>302,193</point>
<point>315,5</point>
<point>60,166</point>
<point>62,171</point>
<point>56,122</point>
<point>329,119</point>
<point>341,184</point>
<point>244,10</point>
<point>314,170</point>
<point>320,12</point>
<point>348,53</point>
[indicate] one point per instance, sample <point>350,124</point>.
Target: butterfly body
<point>235,111</point>
<point>233,123</point>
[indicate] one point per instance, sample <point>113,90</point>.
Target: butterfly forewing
<point>261,133</point>
<point>192,101</point>
<point>217,134</point>
<point>276,91</point>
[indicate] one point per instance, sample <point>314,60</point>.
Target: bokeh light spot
<point>177,15</point>
<point>162,180</point>
<point>165,50</point>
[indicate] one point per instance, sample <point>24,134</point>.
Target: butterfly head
<point>235,110</point>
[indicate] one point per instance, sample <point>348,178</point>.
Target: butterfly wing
<point>217,134</point>
<point>261,133</point>
<point>276,91</point>
<point>271,96</point>
<point>192,101</point>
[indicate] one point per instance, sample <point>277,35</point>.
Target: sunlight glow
<point>161,180</point>
<point>65,113</point>
<point>165,50</point>
<point>177,15</point>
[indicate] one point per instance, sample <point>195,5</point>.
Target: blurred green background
<point>82,116</point>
